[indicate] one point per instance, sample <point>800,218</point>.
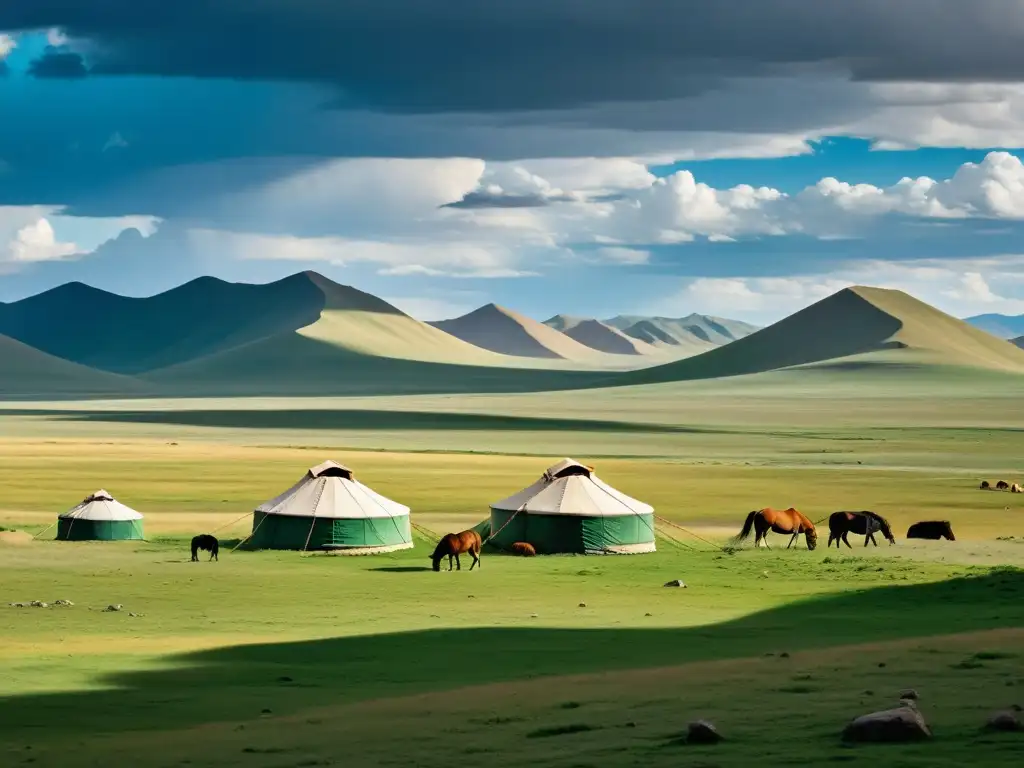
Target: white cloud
<point>56,37</point>
<point>615,255</point>
<point>7,44</point>
<point>765,300</point>
<point>38,242</point>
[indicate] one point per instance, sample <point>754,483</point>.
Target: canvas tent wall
<point>329,509</point>
<point>570,509</point>
<point>99,517</point>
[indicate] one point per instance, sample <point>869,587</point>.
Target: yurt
<point>570,509</point>
<point>100,517</point>
<point>329,509</point>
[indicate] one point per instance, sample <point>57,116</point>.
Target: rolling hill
<point>508,333</point>
<point>359,344</point>
<point>853,322</point>
<point>1003,326</point>
<point>596,335</point>
<point>689,330</point>
<point>26,372</point>
<point>132,335</point>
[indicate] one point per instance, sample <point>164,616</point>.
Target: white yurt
<point>100,517</point>
<point>570,509</point>
<point>329,509</point>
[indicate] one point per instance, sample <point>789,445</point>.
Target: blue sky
<point>636,157</point>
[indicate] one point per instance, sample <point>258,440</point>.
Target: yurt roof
<point>101,506</point>
<point>572,488</point>
<point>330,490</point>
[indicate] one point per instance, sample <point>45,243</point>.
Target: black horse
<point>931,529</point>
<point>865,523</point>
<point>205,542</point>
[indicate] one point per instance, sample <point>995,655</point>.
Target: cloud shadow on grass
<point>238,682</point>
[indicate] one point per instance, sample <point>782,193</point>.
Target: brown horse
<point>523,548</point>
<point>452,545</point>
<point>762,521</point>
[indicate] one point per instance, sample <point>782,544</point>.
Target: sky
<point>554,156</point>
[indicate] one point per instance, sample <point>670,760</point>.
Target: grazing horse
<point>523,548</point>
<point>205,542</point>
<point>931,529</point>
<point>780,521</point>
<point>452,545</point>
<point>865,524</point>
<point>1002,485</point>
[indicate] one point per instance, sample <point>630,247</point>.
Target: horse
<point>931,529</point>
<point>1015,488</point>
<point>452,545</point>
<point>1002,485</point>
<point>780,521</point>
<point>865,524</point>
<point>206,542</point>
<point>523,548</point>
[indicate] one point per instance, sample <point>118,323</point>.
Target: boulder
<point>702,732</point>
<point>1008,720</point>
<point>675,583</point>
<point>889,726</point>
<point>112,608</point>
<point>909,693</point>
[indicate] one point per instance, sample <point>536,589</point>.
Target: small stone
<point>39,604</point>
<point>113,608</point>
<point>284,679</point>
<point>675,583</point>
<point>909,693</point>
<point>64,603</point>
<point>881,665</point>
<point>18,605</point>
<point>1006,721</point>
<point>648,614</point>
<point>902,724</point>
<point>784,655</point>
<point>534,615</point>
<point>702,732</point>
<point>583,605</point>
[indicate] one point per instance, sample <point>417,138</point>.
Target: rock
<point>675,583</point>
<point>19,605</point>
<point>890,726</point>
<point>112,608</point>
<point>583,605</point>
<point>39,604</point>
<point>702,732</point>
<point>63,603</point>
<point>1008,720</point>
<point>534,615</point>
<point>909,693</point>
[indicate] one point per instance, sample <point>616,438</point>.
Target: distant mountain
<point>1019,341</point>
<point>682,330</point>
<point>854,321</point>
<point>1003,326</point>
<point>133,335</point>
<point>26,372</point>
<point>564,322</point>
<point>508,333</point>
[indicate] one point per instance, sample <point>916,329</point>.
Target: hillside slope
<point>683,330</point>
<point>508,333</point>
<point>27,372</point>
<point>1019,341</point>
<point>854,321</point>
<point>604,338</point>
<point>132,335</point>
<point>360,344</point>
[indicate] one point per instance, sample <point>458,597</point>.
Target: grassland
<point>278,659</point>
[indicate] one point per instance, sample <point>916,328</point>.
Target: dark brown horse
<point>790,521</point>
<point>866,524</point>
<point>206,542</point>
<point>523,549</point>
<point>452,545</point>
<point>931,529</point>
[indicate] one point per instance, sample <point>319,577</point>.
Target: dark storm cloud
<point>504,200</point>
<point>65,66</point>
<point>507,55</point>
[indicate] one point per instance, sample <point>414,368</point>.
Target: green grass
<point>275,659</point>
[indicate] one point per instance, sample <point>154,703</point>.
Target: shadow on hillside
<point>240,682</point>
<point>357,420</point>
